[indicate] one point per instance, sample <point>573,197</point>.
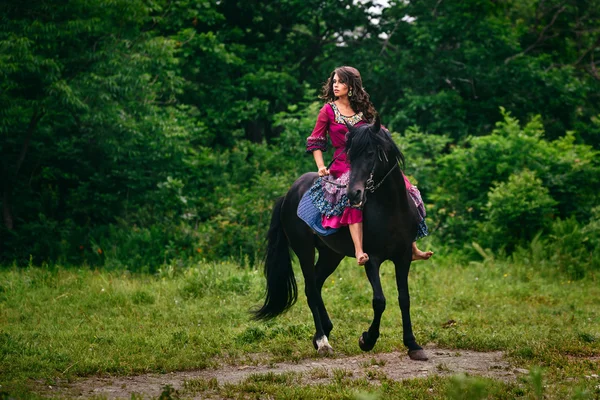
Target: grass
<point>458,387</point>
<point>58,324</point>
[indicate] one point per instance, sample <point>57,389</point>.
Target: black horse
<point>390,221</point>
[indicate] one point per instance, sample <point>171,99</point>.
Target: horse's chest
<point>385,232</point>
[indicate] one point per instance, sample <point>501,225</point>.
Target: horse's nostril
<point>356,197</point>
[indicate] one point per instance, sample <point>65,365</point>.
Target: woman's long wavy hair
<point>359,101</point>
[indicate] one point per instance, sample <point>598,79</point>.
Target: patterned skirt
<point>414,193</point>
<point>330,198</point>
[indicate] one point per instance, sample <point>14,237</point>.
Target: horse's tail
<point>282,291</point>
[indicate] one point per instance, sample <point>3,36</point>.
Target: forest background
<point>136,133</point>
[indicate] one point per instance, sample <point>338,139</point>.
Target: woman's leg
<point>356,232</point>
<point>418,254</point>
<point>422,230</point>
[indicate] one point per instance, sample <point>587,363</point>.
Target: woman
<point>347,102</point>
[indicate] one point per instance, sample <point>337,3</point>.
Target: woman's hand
<point>323,171</point>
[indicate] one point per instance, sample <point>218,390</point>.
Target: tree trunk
<point>9,177</point>
<point>6,210</point>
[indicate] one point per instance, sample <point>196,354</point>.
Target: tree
<point>246,61</point>
<point>449,66</point>
<point>85,93</point>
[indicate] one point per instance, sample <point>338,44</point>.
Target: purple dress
<point>331,121</point>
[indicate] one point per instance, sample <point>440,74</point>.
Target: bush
<point>473,180</point>
<point>573,247</point>
<point>516,210</point>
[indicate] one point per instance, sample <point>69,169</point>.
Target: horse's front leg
<point>368,339</point>
<point>415,352</point>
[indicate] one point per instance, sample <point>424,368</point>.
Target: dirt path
<point>396,366</point>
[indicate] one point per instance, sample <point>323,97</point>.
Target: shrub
<point>475,178</point>
<point>516,210</point>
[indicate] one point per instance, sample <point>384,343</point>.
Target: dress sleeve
<point>318,138</point>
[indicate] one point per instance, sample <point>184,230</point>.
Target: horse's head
<point>372,154</point>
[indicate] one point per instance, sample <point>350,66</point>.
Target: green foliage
<point>454,63</point>
<point>135,135</point>
<point>501,189</point>
<point>255,175</point>
<point>536,379</point>
<point>201,281</point>
<point>516,210</point>
<point>569,249</point>
<point>468,388</point>
<point>422,152</point>
<point>92,127</point>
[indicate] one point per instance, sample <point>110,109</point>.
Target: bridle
<point>370,183</point>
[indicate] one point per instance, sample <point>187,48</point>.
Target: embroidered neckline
<point>341,119</point>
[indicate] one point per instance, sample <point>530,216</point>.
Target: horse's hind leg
<point>415,351</point>
<point>315,303</point>
<point>302,242</point>
<point>327,263</point>
<point>368,339</point>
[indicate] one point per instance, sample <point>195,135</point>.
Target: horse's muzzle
<point>358,206</point>
<point>357,199</point>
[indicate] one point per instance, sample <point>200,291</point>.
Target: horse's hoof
<point>323,347</point>
<point>325,350</point>
<point>418,355</point>
<point>364,344</point>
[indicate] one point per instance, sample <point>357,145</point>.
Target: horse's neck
<point>393,191</point>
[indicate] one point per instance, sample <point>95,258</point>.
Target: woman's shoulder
<point>326,110</point>
<point>328,107</point>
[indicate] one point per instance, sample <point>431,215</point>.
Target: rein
<point>327,180</point>
<point>370,183</point>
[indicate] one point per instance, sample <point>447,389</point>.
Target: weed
<point>199,385</point>
<point>340,375</point>
<point>375,374</point>
<point>366,396</point>
<point>441,367</point>
<point>537,383</point>
<point>168,393</point>
<point>319,373</point>
<point>373,361</point>
<point>142,297</point>
<point>274,378</point>
<point>587,337</point>
<point>463,387</point>
<point>252,334</point>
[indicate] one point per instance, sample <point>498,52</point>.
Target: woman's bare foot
<point>362,258</point>
<point>420,255</point>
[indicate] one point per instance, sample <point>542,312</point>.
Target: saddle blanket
<point>310,214</point>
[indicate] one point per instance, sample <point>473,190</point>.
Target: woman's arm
<point>318,155</point>
<point>317,141</point>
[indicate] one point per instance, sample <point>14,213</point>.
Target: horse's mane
<point>366,137</point>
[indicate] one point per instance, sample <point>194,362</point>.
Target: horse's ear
<point>349,126</point>
<point>377,124</point>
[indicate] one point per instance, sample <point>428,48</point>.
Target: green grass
<point>286,386</point>
<point>59,324</point>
